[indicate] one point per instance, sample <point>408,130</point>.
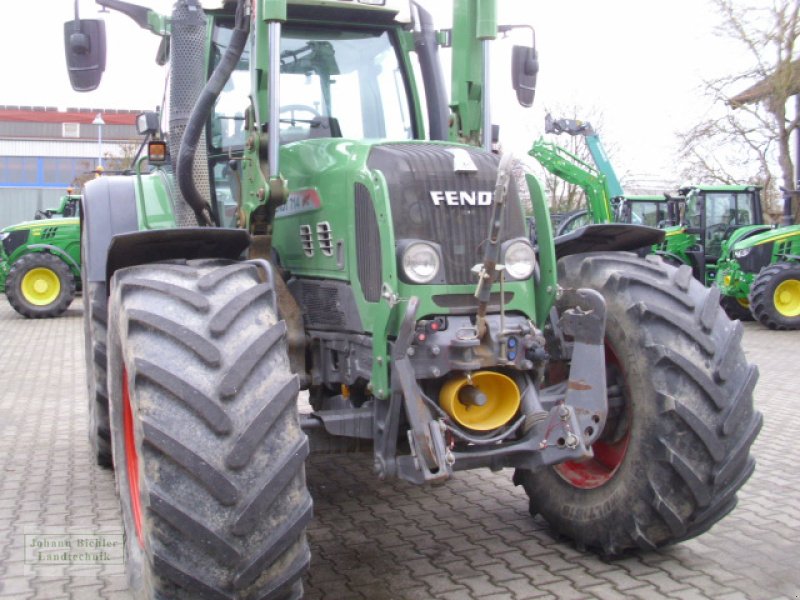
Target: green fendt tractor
<point>759,269</point>
<point>713,218</point>
<point>377,257</point>
<point>40,262</point>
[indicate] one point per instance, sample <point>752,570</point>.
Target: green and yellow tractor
<point>40,262</point>
<point>759,269</point>
<point>713,218</point>
<point>325,218</point>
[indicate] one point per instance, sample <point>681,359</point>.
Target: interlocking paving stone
<point>470,538</point>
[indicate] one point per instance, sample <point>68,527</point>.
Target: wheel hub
<point>787,298</point>
<point>40,286</point>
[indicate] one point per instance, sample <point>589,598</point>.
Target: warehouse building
<point>43,150</point>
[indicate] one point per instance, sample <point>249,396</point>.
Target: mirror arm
<point>140,14</point>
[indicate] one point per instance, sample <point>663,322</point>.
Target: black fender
<point>108,209</point>
<point>142,247</point>
<point>112,240</point>
<point>608,237</point>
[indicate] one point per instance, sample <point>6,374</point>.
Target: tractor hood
<point>768,236</point>
<point>41,223</point>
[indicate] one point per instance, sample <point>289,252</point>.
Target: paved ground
<point>471,538</point>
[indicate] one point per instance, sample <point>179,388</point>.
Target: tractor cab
<point>660,210</point>
<point>711,215</point>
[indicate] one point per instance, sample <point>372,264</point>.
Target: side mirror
<point>85,49</point>
<point>524,69</point>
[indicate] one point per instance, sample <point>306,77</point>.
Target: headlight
<point>519,259</point>
<point>742,253</point>
<point>420,262</point>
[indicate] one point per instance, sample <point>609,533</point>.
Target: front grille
<point>468,302</point>
<point>758,257</point>
<point>321,304</point>
<point>14,240</point>
<point>413,171</point>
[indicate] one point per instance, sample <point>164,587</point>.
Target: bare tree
<point>745,140</point>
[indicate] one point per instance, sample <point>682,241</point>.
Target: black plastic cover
<point>85,50</point>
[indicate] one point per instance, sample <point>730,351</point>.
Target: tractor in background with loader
<point>378,259</point>
<point>701,224</point>
<point>606,201</point>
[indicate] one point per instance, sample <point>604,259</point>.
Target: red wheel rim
<point>608,455</point>
<point>131,458</point>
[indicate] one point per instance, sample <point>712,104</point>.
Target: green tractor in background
<point>376,257</point>
<point>713,218</point>
<point>703,225</point>
<point>40,262</point>
<point>759,269</point>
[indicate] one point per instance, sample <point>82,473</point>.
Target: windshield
<point>648,212</point>
<point>333,84</point>
<point>724,211</point>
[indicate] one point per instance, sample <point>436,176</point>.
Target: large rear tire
<point>775,296</point>
<point>40,285</point>
<point>208,449</point>
<point>676,446</point>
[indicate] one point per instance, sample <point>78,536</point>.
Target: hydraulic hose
<point>201,111</point>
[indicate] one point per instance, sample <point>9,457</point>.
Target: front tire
<point>736,308</point>
<point>775,296</point>
<point>676,447</point>
<point>40,285</point>
<point>207,445</point>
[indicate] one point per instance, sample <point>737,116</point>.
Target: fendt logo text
<point>453,198</point>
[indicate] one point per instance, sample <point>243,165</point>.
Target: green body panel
<point>677,241</point>
<point>787,239</point>
<point>58,235</point>
<point>154,207</point>
<point>330,167</point>
<point>547,284</point>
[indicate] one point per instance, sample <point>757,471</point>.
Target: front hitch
<point>564,420</point>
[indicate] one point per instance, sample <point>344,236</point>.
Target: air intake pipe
<point>189,35</point>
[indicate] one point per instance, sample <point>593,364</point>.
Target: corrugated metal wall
<point>32,142</point>
<point>18,205</point>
